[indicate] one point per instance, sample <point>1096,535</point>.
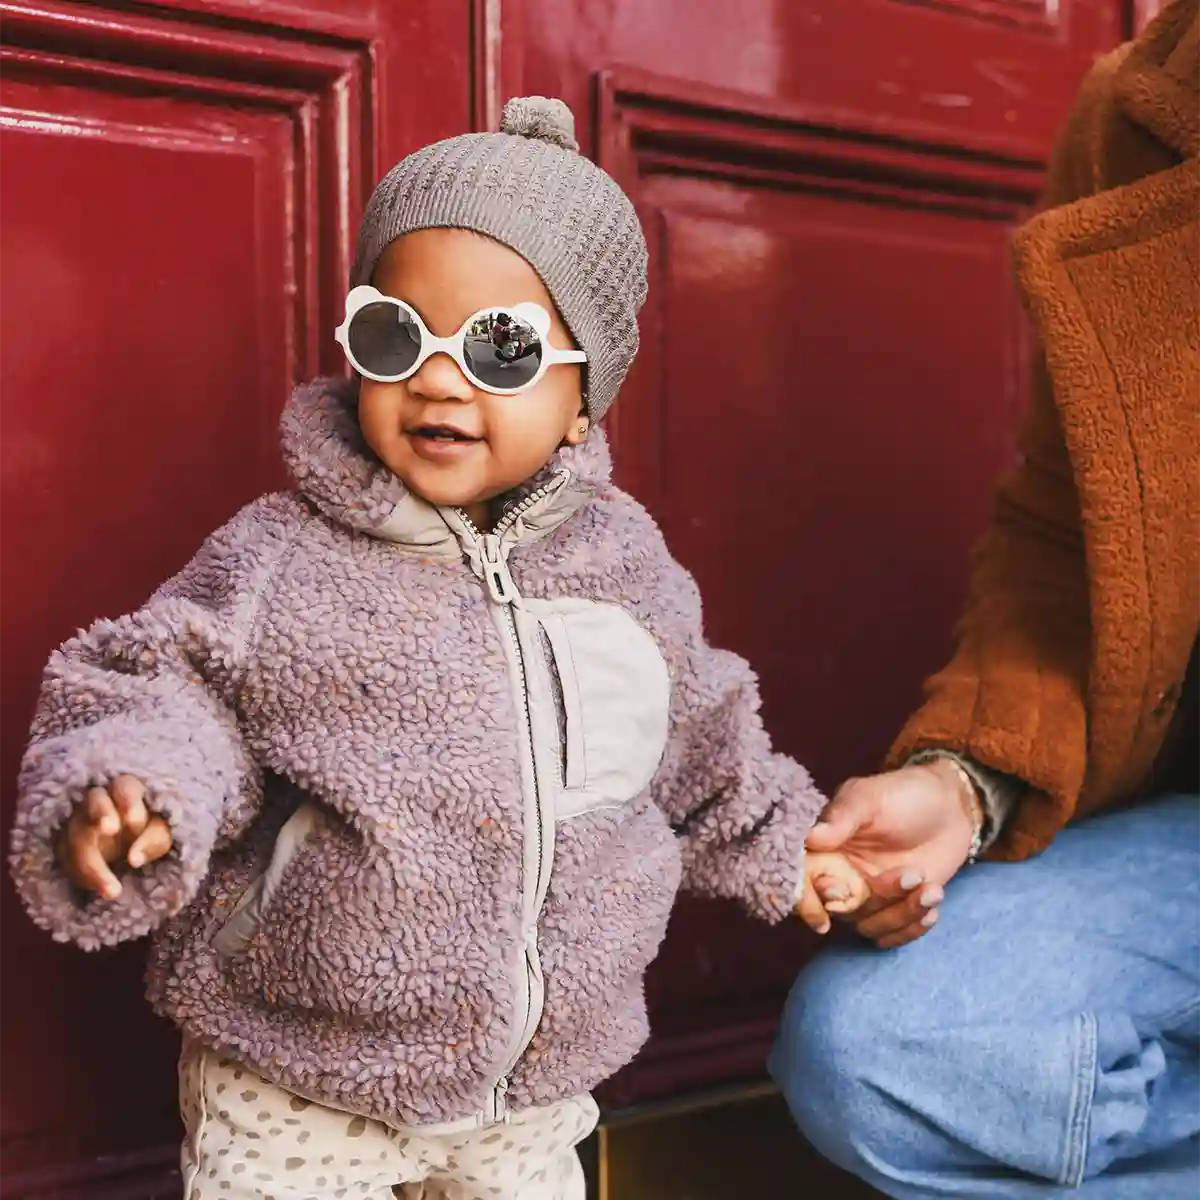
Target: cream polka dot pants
<point>247,1139</point>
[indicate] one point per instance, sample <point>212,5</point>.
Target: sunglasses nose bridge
<point>440,345</point>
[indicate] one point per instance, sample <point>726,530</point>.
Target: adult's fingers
<point>910,933</point>
<point>913,908</point>
<point>129,797</point>
<point>896,884</point>
<point>151,844</point>
<point>810,909</point>
<point>101,811</point>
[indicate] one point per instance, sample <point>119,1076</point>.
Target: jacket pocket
<point>234,936</point>
<point>612,693</point>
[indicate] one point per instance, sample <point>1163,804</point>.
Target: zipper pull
<point>495,570</point>
<point>501,1101</point>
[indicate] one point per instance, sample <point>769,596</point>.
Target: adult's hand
<point>909,831</point>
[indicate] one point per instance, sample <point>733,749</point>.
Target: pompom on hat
<point>530,188</point>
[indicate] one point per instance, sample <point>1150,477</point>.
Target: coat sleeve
<point>1013,697</point>
<point>740,809</point>
<point>153,695</point>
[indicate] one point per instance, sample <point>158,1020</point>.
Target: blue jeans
<point>1044,1037</point>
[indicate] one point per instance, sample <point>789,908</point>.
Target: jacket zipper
<point>503,593</point>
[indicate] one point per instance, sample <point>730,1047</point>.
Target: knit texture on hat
<point>529,188</point>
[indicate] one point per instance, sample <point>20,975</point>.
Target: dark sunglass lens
<point>384,339</point>
<point>502,351</point>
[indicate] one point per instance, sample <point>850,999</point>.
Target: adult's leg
<point>1045,1036</point>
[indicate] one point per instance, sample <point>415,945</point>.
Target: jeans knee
<point>828,1036</point>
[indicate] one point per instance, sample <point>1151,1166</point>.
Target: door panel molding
<point>322,87</point>
<point>652,123</point>
<point>1038,16</point>
<point>650,126</point>
<point>487,91</point>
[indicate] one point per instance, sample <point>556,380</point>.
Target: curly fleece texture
<point>1073,651</point>
<point>306,654</point>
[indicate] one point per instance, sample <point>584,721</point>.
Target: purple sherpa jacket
<point>432,792</point>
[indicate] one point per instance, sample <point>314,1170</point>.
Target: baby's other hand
<point>109,824</point>
<point>831,885</point>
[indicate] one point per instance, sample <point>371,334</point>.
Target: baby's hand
<point>831,885</point>
<point>107,825</point>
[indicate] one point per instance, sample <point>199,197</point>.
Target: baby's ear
<point>578,432</point>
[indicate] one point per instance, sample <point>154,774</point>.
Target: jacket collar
<point>1157,85</point>
<point>1083,268</point>
<point>332,465</point>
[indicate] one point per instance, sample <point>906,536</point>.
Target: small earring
<point>583,431</point>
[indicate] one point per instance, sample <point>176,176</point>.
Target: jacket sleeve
<point>1013,698</point>
<point>741,810</point>
<point>153,695</point>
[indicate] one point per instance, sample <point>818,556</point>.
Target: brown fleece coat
<point>1085,595</point>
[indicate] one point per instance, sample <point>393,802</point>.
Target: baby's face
<point>447,275</point>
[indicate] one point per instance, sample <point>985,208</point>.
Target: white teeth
<point>442,435</point>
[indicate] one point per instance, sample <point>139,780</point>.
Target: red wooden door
<point>830,379</point>
<point>180,186</point>
<point>833,360</point>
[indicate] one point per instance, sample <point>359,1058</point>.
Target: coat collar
<point>1157,85</point>
<point>1084,268</point>
<point>331,464</point>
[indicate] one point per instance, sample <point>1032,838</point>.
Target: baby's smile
<point>442,442</point>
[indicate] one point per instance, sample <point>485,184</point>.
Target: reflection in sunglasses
<point>498,349</point>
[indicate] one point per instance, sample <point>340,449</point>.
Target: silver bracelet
<point>974,805</point>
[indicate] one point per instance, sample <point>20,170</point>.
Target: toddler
<point>405,768</point>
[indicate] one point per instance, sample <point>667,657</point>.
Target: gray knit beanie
<point>528,187</point>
